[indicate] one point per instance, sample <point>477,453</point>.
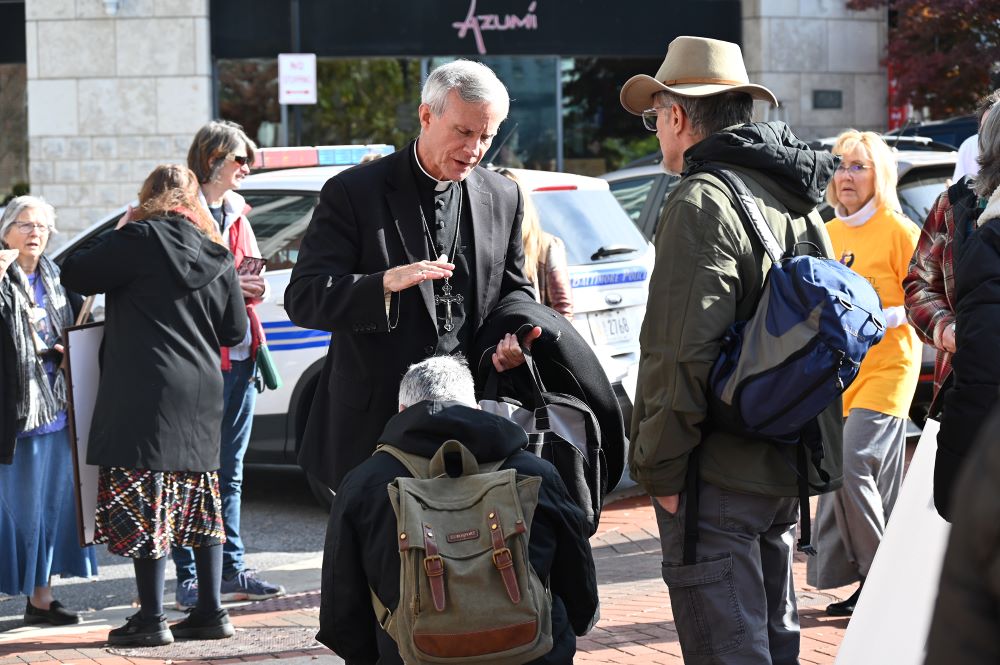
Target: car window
<point>918,192</point>
<point>279,221</point>
<point>591,223</point>
<point>633,193</point>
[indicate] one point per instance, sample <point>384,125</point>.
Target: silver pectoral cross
<point>447,299</point>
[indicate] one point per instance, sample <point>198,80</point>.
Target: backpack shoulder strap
<point>419,467</point>
<point>746,205</point>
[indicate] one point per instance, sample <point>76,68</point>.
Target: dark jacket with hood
<point>566,363</point>
<point>361,549</point>
<point>708,275</point>
<point>172,301</point>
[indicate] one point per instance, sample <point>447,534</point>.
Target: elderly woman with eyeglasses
<point>872,237</point>
<point>38,530</point>
<point>220,157</point>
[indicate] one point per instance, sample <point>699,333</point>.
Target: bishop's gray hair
<point>474,82</point>
<point>440,378</point>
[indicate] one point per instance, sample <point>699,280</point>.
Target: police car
<point>610,263</point>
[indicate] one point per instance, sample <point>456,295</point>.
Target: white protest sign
<point>297,78</point>
<point>893,615</point>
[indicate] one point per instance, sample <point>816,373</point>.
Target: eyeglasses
<point>853,169</point>
<point>242,160</point>
<point>649,117</point>
<point>25,228</point>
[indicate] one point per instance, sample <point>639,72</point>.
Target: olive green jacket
<point>708,275</point>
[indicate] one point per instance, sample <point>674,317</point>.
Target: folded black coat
<point>566,362</point>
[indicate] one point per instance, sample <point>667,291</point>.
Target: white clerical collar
<point>866,212</point>
<point>439,185</point>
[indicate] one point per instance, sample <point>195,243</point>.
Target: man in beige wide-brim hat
<point>694,67</point>
<point>732,596</point>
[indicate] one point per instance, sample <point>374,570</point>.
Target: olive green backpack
<point>467,592</point>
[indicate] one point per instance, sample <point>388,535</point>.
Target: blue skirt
<point>38,527</point>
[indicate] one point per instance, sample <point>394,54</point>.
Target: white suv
<point>610,263</point>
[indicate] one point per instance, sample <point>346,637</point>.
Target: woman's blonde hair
<point>531,230</point>
<point>883,164</point>
<point>172,189</point>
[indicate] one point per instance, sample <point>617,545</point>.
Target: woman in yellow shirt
<point>874,239</point>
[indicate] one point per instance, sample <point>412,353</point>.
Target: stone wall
<point>797,47</point>
<point>110,97</point>
<point>13,128</point>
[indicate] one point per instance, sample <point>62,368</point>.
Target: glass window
<point>279,221</point>
<point>633,193</point>
<point>593,226</point>
<point>917,195</point>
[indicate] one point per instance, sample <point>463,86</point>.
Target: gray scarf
<point>38,402</point>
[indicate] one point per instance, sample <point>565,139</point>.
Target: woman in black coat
<point>976,363</point>
<point>173,300</point>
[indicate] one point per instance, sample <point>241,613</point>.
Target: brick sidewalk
<point>636,618</point>
<point>636,623</point>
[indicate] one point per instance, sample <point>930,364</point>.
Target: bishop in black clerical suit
<point>403,259</point>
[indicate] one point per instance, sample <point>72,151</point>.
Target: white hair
<point>474,83</point>
<point>22,203</point>
<point>439,378</point>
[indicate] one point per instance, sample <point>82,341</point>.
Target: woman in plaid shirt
<point>929,286</point>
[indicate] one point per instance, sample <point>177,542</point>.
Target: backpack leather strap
<point>502,558</point>
<point>434,567</point>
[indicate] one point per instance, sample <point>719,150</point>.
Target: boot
<point>845,608</point>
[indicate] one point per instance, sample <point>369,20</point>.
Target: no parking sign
<point>297,78</point>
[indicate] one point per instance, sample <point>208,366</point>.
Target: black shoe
<point>844,608</point>
<point>57,615</point>
<point>141,632</point>
<point>204,626</point>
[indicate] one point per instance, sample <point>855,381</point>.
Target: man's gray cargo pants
<point>736,604</point>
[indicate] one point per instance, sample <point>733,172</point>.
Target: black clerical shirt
<point>441,209</point>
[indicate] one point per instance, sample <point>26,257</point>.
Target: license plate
<point>611,327</point>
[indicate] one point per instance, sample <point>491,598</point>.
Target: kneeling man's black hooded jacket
<point>361,549</point>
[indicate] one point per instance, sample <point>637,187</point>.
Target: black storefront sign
<point>475,28</point>
<point>12,40</point>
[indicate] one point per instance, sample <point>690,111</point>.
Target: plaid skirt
<point>141,513</point>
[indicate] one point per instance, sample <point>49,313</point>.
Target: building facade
<point>114,87</point>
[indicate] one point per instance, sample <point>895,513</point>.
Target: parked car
<point>642,191</point>
<point>951,131</point>
<point>609,259</point>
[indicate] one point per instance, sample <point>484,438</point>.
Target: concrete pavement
<point>636,623</point>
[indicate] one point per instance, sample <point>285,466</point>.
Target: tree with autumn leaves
<point>945,54</point>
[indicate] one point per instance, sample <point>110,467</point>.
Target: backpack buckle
<point>502,558</point>
<point>434,565</point>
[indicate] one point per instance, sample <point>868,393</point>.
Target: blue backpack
<point>804,343</point>
<point>781,368</point>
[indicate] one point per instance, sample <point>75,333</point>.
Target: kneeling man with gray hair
<point>436,403</point>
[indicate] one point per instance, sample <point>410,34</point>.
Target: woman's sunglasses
<point>242,160</point>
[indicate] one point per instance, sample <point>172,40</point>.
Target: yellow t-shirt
<point>880,250</point>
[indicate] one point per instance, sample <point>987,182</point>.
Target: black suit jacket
<point>367,221</point>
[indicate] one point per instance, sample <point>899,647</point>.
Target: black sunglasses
<point>242,160</point>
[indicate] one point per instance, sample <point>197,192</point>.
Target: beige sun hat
<point>694,67</point>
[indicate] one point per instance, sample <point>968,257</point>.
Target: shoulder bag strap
<point>746,205</point>
<point>419,467</point>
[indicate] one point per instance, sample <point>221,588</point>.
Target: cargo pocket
<point>706,608</point>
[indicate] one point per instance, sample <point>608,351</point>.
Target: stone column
<point>799,48</point>
<point>110,97</point>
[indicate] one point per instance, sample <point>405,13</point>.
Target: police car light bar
<point>268,159</point>
<point>555,188</point>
